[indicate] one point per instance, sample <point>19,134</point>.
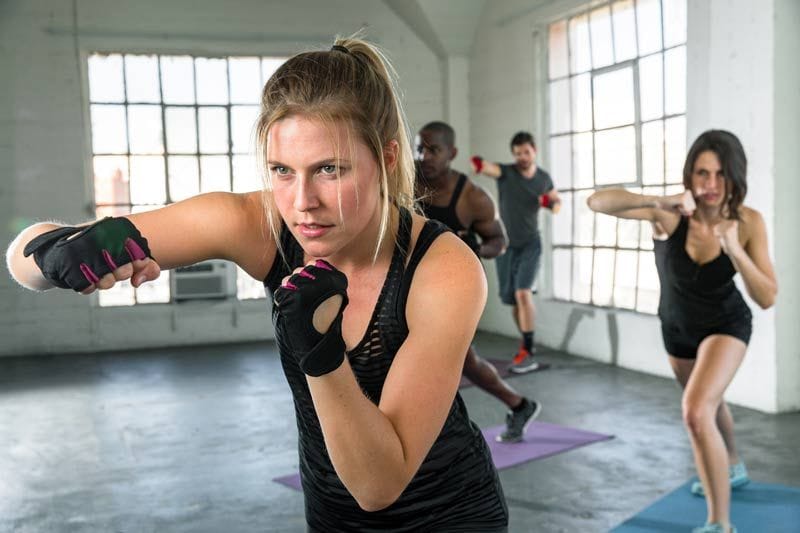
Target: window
<point>165,128</point>
<point>617,91</point>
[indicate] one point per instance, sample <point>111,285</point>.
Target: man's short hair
<point>522,137</point>
<point>447,132</point>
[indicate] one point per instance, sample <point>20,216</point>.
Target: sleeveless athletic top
<point>695,295</point>
<point>456,488</point>
<point>447,214</point>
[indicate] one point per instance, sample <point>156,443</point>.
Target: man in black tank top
<point>451,198</point>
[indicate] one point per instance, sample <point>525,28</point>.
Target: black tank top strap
<point>462,180</point>
<point>429,233</point>
<point>404,232</point>
<point>681,232</point>
<point>447,214</point>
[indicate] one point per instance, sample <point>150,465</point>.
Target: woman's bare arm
<point>751,260</point>
<point>214,225</point>
<point>663,212</point>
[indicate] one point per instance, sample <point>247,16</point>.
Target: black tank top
<point>456,488</point>
<point>447,214</point>
<point>694,295</point>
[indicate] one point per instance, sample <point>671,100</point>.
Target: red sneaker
<point>521,355</point>
<point>524,362</point>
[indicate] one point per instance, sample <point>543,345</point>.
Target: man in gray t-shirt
<point>518,196</point>
<point>522,189</point>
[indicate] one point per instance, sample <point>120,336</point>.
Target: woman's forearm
<point>760,287</point>
<point>363,445</point>
<point>613,201</point>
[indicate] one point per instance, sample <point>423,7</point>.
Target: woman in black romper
<point>703,237</point>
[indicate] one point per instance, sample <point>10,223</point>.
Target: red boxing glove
<point>549,203</point>
<point>544,200</point>
<point>477,163</point>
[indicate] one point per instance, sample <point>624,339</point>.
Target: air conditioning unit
<point>209,279</point>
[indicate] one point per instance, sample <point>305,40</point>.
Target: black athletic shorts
<point>682,340</point>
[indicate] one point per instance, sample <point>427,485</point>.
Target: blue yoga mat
<point>755,508</point>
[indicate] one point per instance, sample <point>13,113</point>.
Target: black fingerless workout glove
<point>317,353</point>
<point>96,250</point>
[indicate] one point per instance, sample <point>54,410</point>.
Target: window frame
<point>230,153</point>
<point>573,191</point>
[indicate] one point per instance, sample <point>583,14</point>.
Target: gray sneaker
<point>517,422</point>
<point>524,364</point>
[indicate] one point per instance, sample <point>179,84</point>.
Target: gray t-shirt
<point>519,202</point>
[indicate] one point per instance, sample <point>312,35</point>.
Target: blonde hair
<point>354,84</point>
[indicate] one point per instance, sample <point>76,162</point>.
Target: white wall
<point>786,95</point>
<point>737,77</point>
<point>507,78</point>
<point>44,143</point>
<point>742,75</point>
<point>456,106</point>
<point>503,98</point>
<point>731,83</point>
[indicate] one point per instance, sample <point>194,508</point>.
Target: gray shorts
<point>517,268</point>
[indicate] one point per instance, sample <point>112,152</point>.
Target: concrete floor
<point>188,440</point>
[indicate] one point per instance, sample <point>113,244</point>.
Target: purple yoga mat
<point>541,440</point>
<point>292,481</point>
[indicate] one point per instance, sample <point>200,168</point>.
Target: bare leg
<point>725,425</point>
<point>683,368</point>
<point>515,314</point>
<point>718,358</point>
<point>526,310</point>
<point>483,374</point>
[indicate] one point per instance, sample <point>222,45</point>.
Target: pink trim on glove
<point>109,261</point>
<point>134,250</point>
<point>319,263</point>
<point>90,276</point>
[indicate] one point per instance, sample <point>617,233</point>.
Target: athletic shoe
<point>522,354</point>
<point>517,422</point>
<point>523,362</point>
<point>716,527</point>
<point>738,477</point>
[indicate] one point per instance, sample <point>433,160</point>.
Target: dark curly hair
<point>731,156</point>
